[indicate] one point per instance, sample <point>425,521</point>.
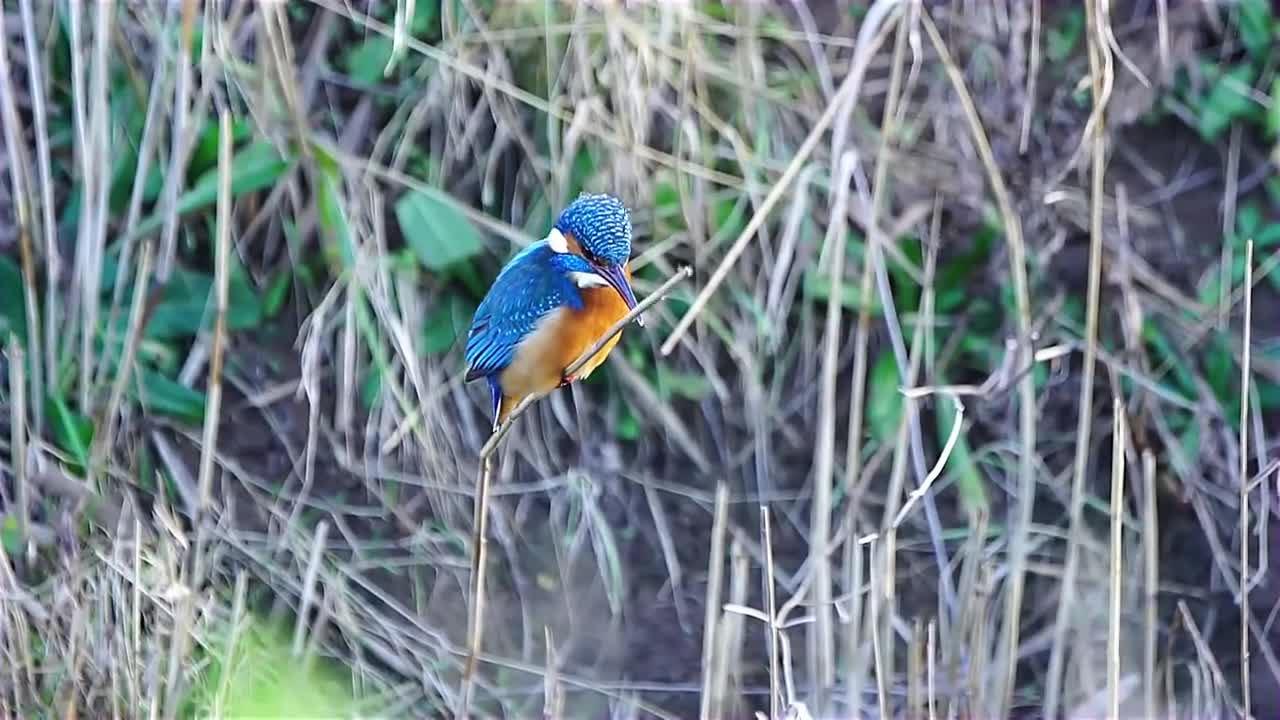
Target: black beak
<point>614,275</point>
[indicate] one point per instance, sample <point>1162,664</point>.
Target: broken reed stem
<point>931,654</point>
<point>16,150</point>
<point>552,695</point>
<point>18,432</point>
<point>872,33</point>
<point>222,266</point>
<point>1151,549</point>
<point>1118,433</point>
<point>821,635</point>
<point>715,579</point>
<point>1246,690</point>
<point>1033,73</point>
<point>480,532</point>
<point>771,608</point>
<point>48,222</point>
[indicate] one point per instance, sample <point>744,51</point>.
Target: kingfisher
<point>551,302</point>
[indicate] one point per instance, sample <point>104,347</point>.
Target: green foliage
<point>339,245</point>
<point>445,323</point>
<point>277,293</point>
<point>366,61</point>
<point>204,156</point>
<point>1258,29</point>
<point>187,305</point>
<point>263,679</point>
<point>884,401</point>
<point>1062,38</point>
<point>160,394</point>
<point>10,536</point>
<point>673,383</point>
<point>72,431</point>
<point>255,167</point>
<point>1227,100</point>
<point>1226,95</point>
<point>13,302</point>
<point>437,232</point>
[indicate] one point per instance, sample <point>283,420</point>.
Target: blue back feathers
<point>602,226</point>
<point>536,281</point>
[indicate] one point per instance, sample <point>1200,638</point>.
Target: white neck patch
<point>587,280</point>
<point>557,241</point>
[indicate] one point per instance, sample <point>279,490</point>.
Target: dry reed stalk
<point>1243,479</point>
<point>1151,578</point>
<point>1118,441</point>
<point>1100,74</point>
<point>710,624</point>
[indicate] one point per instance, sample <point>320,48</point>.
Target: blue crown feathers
<point>602,226</point>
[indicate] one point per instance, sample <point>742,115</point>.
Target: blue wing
<point>524,292</point>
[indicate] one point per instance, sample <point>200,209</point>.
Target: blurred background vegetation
<point>944,254</point>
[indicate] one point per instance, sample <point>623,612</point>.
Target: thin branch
<point>1246,690</point>
<point>480,529</point>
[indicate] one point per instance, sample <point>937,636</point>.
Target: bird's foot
<point>565,381</point>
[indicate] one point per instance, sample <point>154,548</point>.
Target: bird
<point>551,302</point>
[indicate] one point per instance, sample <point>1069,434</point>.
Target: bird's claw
<point>565,380</point>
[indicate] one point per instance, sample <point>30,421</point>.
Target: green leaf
<point>817,286</point>
<point>255,167</point>
<point>1268,395</point>
<point>444,324</point>
<point>13,301</point>
<point>426,18</point>
<point>1268,236</point>
<point>1189,440</point>
<point>1227,101</point>
<point>1256,26</point>
<point>627,427</point>
<point>186,307</point>
<point>1273,114</point>
<point>730,218</point>
<point>365,62</point>
<point>884,402</point>
<point>10,538</point>
<point>72,432</point>
<point>1248,219</point>
<point>1061,39</point>
<point>277,293</point>
<point>1184,385</point>
<point>1220,371</point>
<point>371,387</point>
<point>673,383</point>
<point>204,156</point>
<point>436,231</point>
<point>161,395</point>
<point>332,211</point>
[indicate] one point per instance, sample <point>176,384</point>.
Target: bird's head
<point>592,242</point>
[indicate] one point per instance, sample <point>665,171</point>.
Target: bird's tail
<point>503,404</point>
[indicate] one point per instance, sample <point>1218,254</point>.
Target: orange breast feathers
<point>563,336</point>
